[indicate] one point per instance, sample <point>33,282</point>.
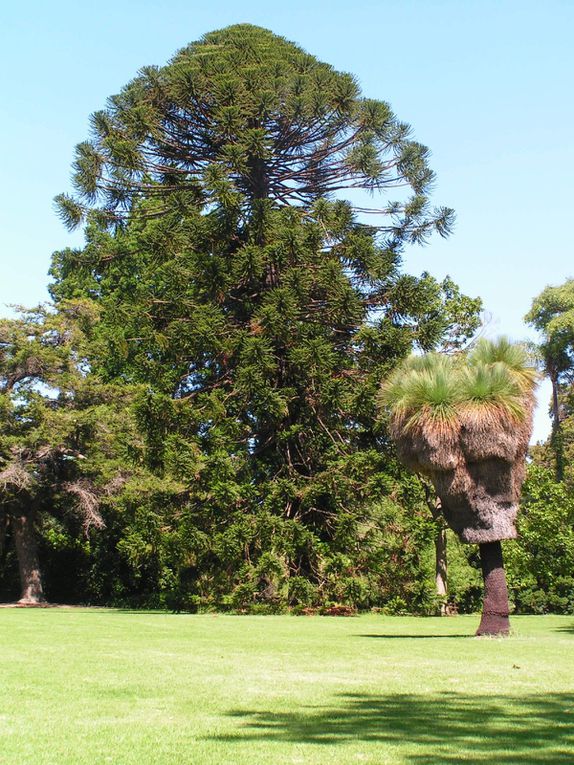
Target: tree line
<point>192,422</point>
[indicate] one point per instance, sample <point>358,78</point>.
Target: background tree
<point>540,563</point>
<point>552,314</point>
<point>467,426</point>
<point>58,443</point>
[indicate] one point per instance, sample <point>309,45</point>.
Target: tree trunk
<point>434,504</point>
<point>441,569</point>
<point>495,606</point>
<point>3,528</point>
<point>28,564</point>
<point>556,439</point>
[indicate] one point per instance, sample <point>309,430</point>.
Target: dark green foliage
<point>240,118</point>
<point>66,442</point>
<point>552,314</point>
<point>540,563</point>
<point>249,315</point>
<point>259,402</point>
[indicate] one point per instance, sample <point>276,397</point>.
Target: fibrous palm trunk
<point>28,563</point>
<point>495,607</point>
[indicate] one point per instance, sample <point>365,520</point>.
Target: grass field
<point>101,686</point>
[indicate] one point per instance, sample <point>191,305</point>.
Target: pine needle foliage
<point>239,118</point>
<point>65,440</point>
<point>256,313</point>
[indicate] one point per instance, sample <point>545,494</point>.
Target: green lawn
<point>103,686</point>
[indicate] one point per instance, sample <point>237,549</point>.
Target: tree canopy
<point>240,117</point>
<point>201,395</point>
<point>243,313</point>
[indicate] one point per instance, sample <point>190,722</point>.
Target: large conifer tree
<point>256,306</point>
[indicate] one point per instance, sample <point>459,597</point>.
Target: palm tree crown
<point>436,391</point>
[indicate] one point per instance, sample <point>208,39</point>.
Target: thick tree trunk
<point>495,607</point>
<point>28,563</point>
<point>441,569</point>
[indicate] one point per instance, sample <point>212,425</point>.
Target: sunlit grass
<point>91,686</point>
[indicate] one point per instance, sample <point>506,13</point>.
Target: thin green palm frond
<point>492,388</point>
<point>514,356</point>
<point>432,391</point>
<point>427,362</point>
<point>423,390</point>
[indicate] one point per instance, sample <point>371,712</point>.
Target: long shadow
<point>414,637</point>
<point>429,729</point>
<point>569,629</point>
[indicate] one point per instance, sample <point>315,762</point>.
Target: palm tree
<point>465,422</point>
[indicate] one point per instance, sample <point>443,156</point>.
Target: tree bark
<point>434,504</point>
<point>27,551</point>
<point>495,607</point>
<point>556,437</point>
<point>3,528</point>
<point>441,569</point>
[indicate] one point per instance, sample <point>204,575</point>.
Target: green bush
<point>540,563</point>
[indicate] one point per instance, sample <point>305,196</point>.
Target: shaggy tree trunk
<point>28,563</point>
<point>441,569</point>
<point>495,604</point>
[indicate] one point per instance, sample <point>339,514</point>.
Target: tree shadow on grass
<point>445,729</point>
<point>414,637</point>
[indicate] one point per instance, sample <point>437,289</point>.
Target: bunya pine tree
<point>255,306</point>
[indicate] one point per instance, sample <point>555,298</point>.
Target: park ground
<point>100,686</point>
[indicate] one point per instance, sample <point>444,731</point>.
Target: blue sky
<point>486,85</point>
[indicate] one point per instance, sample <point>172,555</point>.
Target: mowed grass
<point>104,686</point>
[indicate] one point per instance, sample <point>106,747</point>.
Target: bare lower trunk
<point>28,564</point>
<point>556,438</point>
<point>441,562</point>
<point>3,528</point>
<point>441,569</point>
<point>495,605</point>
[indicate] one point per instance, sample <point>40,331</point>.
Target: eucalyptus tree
<point>465,422</point>
<point>552,314</point>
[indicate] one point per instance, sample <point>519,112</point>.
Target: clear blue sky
<point>486,85</point>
